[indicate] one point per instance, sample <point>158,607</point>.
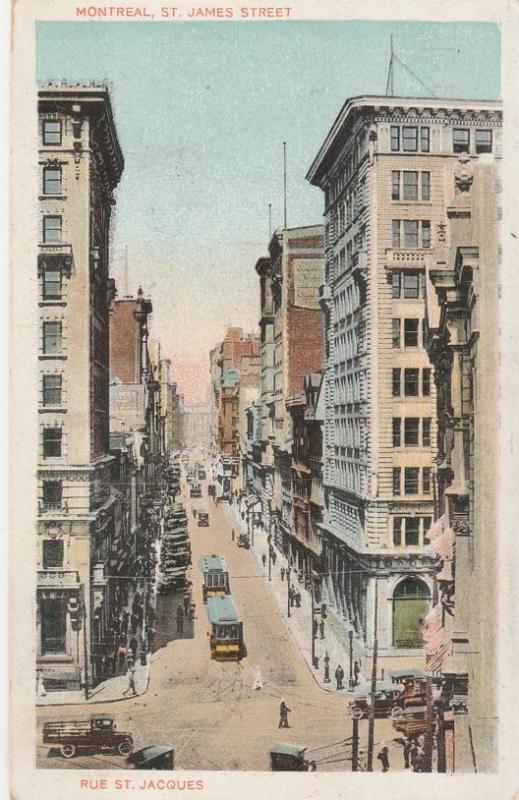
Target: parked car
<point>386,695</point>
<point>97,733</point>
<point>203,519</point>
<point>244,541</point>
<point>290,758</point>
<point>152,757</point>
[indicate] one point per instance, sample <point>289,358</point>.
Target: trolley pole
<point>371,724</point>
<point>355,746</point>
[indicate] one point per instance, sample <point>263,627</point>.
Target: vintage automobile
<point>97,733</point>
<point>195,490</point>
<point>403,675</point>
<point>215,576</point>
<point>225,629</point>
<point>386,696</point>
<point>203,519</point>
<point>201,475</point>
<point>244,540</point>
<point>211,490</point>
<point>290,758</point>
<point>152,757</point>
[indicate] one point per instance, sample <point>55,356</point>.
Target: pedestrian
<point>284,711</point>
<point>339,677</point>
<point>298,599</point>
<point>187,602</point>
<point>384,759</point>
<point>321,629</point>
<point>233,536</point>
<point>133,647</point>
<point>273,556</point>
<point>407,751</point>
<point>314,628</point>
<point>292,595</point>
<point>356,672</point>
<point>263,559</point>
<point>134,623</point>
<point>121,652</point>
<point>282,574</point>
<point>131,680</point>
<point>413,755</point>
<point>124,624</point>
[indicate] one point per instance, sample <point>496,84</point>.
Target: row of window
<point>416,138</point>
<point>410,185</point>
<point>52,338</point>
<point>52,180</point>
<point>411,233</point>
<point>51,228</point>
<point>407,285</point>
<point>52,442</point>
<point>410,138</point>
<point>416,480</point>
<point>408,332</point>
<point>410,531</point>
<point>416,431</point>
<point>51,132</point>
<point>52,284</point>
<point>409,384</point>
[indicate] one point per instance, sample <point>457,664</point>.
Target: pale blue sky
<point>202,110</point>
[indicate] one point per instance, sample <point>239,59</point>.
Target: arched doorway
<point>411,601</point>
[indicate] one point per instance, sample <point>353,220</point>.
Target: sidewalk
<point>110,689</point>
<point>335,642</point>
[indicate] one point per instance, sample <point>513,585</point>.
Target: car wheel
<point>125,747</point>
<point>397,711</point>
<point>68,750</point>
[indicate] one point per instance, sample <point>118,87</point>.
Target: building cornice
<point>399,109</point>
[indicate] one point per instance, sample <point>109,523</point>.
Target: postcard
<point>263,379</point>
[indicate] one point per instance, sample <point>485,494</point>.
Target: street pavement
<point>209,711</point>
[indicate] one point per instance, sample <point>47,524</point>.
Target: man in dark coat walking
<point>283,715</point>
<point>384,759</point>
<point>339,677</point>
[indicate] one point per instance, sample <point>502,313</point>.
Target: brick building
<point>291,347</point>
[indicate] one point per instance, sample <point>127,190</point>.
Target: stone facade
<point>462,309</point>
<point>80,164</point>
<point>386,170</point>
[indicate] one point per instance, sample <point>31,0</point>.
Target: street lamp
<point>288,590</point>
<point>350,636</point>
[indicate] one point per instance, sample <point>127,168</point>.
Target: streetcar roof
<point>221,610</point>
<point>213,563</point>
<point>288,750</point>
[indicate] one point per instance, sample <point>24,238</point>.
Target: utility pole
<point>371,724</point>
<point>312,621</point>
<point>270,221</point>
<point>355,746</point>
<point>428,745</point>
<point>285,184</point>
<point>288,590</point>
<point>126,270</point>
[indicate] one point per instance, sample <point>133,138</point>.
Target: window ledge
<point>46,303</point>
<point>52,197</point>
<point>63,658</point>
<point>50,356</point>
<point>52,409</point>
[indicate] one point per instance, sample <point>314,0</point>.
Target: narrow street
<point>207,710</point>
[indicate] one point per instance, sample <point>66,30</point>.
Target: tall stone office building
<point>386,169</point>
<point>80,164</point>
